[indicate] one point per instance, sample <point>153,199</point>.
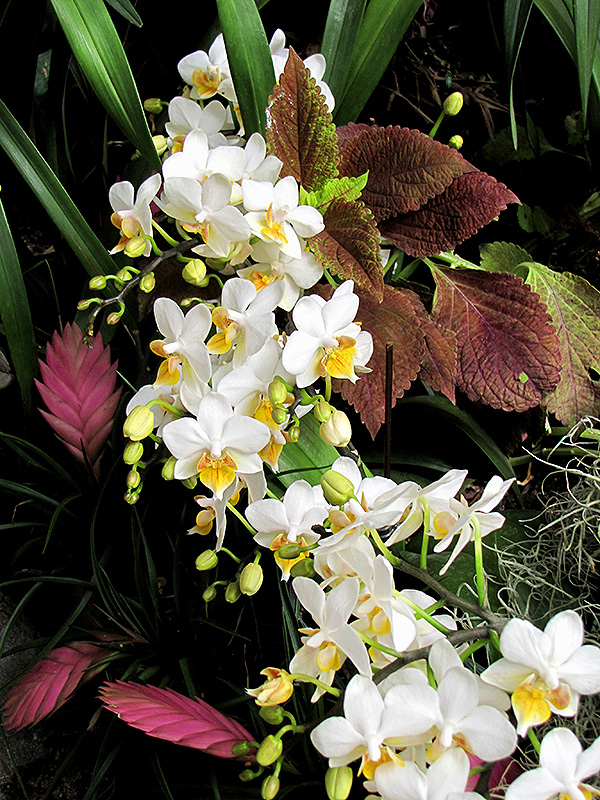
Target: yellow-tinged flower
<point>277,689</point>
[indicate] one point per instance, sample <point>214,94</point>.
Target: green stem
<point>534,740</point>
<point>394,560</point>
<point>300,676</point>
<point>480,576</point>
<point>230,554</point>
<point>329,279</point>
<point>437,123</point>
<point>327,394</point>
<point>473,648</point>
<point>420,614</point>
<point>173,242</point>
<point>241,518</point>
<point>372,643</point>
<point>424,550</point>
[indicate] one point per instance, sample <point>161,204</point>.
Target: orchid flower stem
<point>300,676</point>
<point>230,554</point>
<point>378,646</point>
<point>408,270</point>
<point>166,406</point>
<point>241,518</point>
<point>473,648</point>
<point>534,740</point>
<point>329,279</point>
<point>437,123</point>
<point>394,560</point>
<point>327,394</point>
<point>287,728</point>
<point>424,549</point>
<point>420,614</point>
<point>164,234</point>
<point>480,577</point>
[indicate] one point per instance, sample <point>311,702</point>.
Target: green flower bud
<point>160,143</point>
<point>168,470</point>
<point>293,434</point>
<point>135,248</point>
<point>322,410</point>
<point>153,105</point>
<point>190,483</point>
<point>114,318</point>
<point>97,282</point>
<point>206,560</point>
<point>269,751</point>
<point>209,594</point>
<point>139,424</point>
<point>337,431</point>
<point>303,569</point>
<point>289,551</point>
<point>269,788</point>
<point>194,272</point>
<point>240,749</point>
<point>133,479</point>
<point>337,488</point>
<point>453,104</point>
<point>251,578</point>
<point>456,142</point>
<point>277,392</point>
<point>147,283</point>
<point>83,305</point>
<point>272,715</point>
<point>131,498</point>
<point>247,774</point>
<point>123,274</point>
<point>232,592</point>
<point>279,415</point>
<point>133,452</point>
<point>338,782</point>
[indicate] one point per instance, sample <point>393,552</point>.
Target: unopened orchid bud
<point>135,248</point>
<point>147,283</point>
<point>168,470</point>
<point>123,275</point>
<point>303,569</point>
<point>337,488</point>
<point>97,282</point>
<point>240,749</point>
<point>194,272</point>
<point>269,751</point>
<point>251,578</point>
<point>272,715</point>
<point>293,433</point>
<point>133,452</point>
<point>206,560</point>
<point>456,142</point>
<point>247,774</point>
<point>190,483</point>
<point>83,305</point>
<point>160,144</point>
<point>270,787</point>
<point>322,410</point>
<point>232,592</point>
<point>131,497</point>
<point>453,104</point>
<point>337,431</point>
<point>139,424</point>
<point>153,105</point>
<point>289,551</point>
<point>277,392</point>
<point>113,318</point>
<point>279,415</point>
<point>338,782</point>
<point>133,479</point>
<point>209,594</point>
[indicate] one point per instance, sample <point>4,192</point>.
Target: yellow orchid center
<point>204,522</point>
<point>532,702</point>
<point>262,279</point>
<point>272,230</point>
<point>271,452</point>
<point>168,374</point>
<point>341,519</point>
<point>338,361</point>
<point>586,791</point>
<point>329,657</point>
<point>379,623</point>
<point>207,81</point>
<point>368,767</point>
<point>228,332</point>
<point>442,523</point>
<point>217,472</point>
<point>286,564</point>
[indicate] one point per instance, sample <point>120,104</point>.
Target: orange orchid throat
<point>217,472</point>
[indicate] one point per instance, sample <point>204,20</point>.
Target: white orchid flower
<point>259,165</point>
<point>244,318</point>
<point>217,446</point>
<point>272,265</point>
<point>186,115</point>
<point>564,766</point>
<point>325,648</point>
<point>133,217</point>
<point>545,671</point>
<point>198,161</point>
<point>208,73</point>
<point>203,209</point>
<point>463,520</point>
<point>275,216</point>
<point>445,779</point>
<point>327,341</point>
<point>183,343</point>
<point>315,65</point>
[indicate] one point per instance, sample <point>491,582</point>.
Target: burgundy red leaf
<point>300,130</point>
<point>168,715</point>
<point>508,350</point>
<point>50,683</point>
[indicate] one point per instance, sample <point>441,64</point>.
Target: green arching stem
<point>473,648</point>
<point>241,518</point>
<point>437,123</point>
<point>420,614</point>
<point>394,560</point>
<point>230,554</point>
<point>166,406</point>
<point>155,248</point>
<point>173,242</point>
<point>480,577</point>
<point>300,676</point>
<point>424,549</point>
<point>534,740</point>
<point>372,643</point>
<point>329,279</point>
<point>287,728</point>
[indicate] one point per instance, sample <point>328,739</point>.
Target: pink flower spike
<point>168,715</point>
<point>51,683</point>
<point>78,388</point>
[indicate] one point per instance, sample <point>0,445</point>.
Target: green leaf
<point>343,22</point>
<point>586,19</point>
<point>52,195</point>
<point>99,52</point>
<point>308,458</point>
<point>300,130</point>
<point>574,305</point>
<point>504,257</point>
<point>334,188</point>
<point>15,314</point>
<point>126,10</point>
<point>384,24</point>
<point>249,59</point>
<point>516,17</point>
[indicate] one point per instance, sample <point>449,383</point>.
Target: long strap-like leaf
<point>516,16</point>
<point>98,49</point>
<point>52,195</point>
<point>249,60</point>
<point>341,29</point>
<point>15,314</point>
<point>383,26</point>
